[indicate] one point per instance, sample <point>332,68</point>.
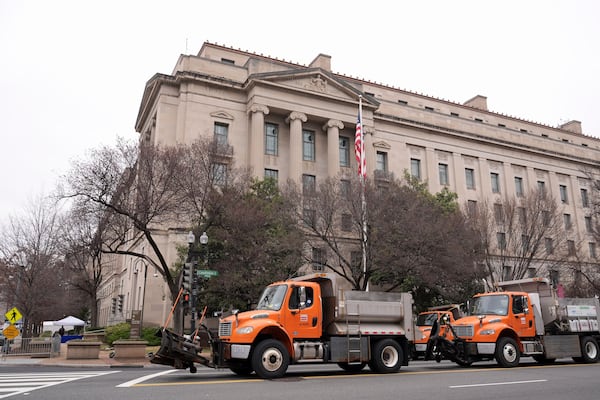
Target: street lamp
<point>204,242</point>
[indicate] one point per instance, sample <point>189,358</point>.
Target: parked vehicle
<point>442,315</point>
<point>310,319</point>
<point>524,318</point>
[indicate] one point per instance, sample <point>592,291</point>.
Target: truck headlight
<point>487,332</point>
<point>244,330</point>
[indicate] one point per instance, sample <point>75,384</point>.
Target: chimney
<point>322,61</point>
<point>572,126</point>
<point>478,101</point>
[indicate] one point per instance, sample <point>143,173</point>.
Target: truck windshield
<point>272,297</point>
<point>491,304</point>
<point>426,319</point>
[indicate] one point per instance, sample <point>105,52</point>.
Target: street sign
<point>13,315</point>
<point>11,332</point>
<point>207,273</point>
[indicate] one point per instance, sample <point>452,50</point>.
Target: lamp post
<point>204,242</point>
<point>191,239</point>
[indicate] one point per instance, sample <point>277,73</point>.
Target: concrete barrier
<point>83,349</point>
<point>130,348</point>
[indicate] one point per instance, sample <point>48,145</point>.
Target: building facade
<point>291,121</point>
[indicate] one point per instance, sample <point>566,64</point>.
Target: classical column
<point>295,119</point>
<point>432,170</point>
<point>257,138</point>
<point>332,127</point>
<point>369,154</point>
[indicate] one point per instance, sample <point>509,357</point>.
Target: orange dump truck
<point>524,318</point>
<point>425,320</point>
<point>310,319</point>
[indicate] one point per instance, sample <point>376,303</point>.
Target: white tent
<point>70,321</point>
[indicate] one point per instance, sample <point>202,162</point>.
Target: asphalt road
<point>420,380</point>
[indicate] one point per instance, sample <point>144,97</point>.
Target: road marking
<point>13,384</point>
<point>145,378</point>
<point>497,384</point>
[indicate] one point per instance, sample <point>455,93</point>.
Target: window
<point>454,114</point>
<point>318,259</point>
<point>309,185</point>
<point>221,131</point>
<point>227,61</point>
<point>592,248</point>
<point>272,173</point>
<point>567,220</point>
<point>309,217</point>
<point>271,139</point>
<point>549,242</point>
<point>563,194</point>
<point>546,218</point>
<point>506,272</point>
<point>525,243</point>
<point>588,225</point>
<point>295,303</point>
<point>415,168</point>
<point>478,120</point>
<point>470,178</point>
<point>584,198</point>
<point>345,188</point>
<point>495,177</point>
<point>443,172</point>
<point>308,146</point>
<point>472,208</point>
<point>501,238</point>
<point>403,102</point>
<point>356,259</point>
<point>570,247</point>
<point>429,108</point>
<point>519,186</point>
<point>498,213</point>
<point>346,222</point>
<point>541,188</point>
<point>522,212</point>
<point>219,174</point>
<point>344,151</point>
<point>382,161</point>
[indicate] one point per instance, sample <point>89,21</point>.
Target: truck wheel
<point>589,350</point>
<point>270,359</point>
<point>387,356</point>
<point>353,368</point>
<point>507,352</point>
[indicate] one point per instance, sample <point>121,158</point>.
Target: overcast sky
<point>72,73</point>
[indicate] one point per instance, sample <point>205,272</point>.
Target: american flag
<point>359,149</point>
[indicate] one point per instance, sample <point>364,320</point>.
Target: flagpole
<point>363,173</point>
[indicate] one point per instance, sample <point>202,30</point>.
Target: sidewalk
<point>104,361</point>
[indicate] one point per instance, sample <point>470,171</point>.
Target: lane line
<point>145,378</point>
<point>497,383</point>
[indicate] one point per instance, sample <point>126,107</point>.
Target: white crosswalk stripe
<point>13,384</point>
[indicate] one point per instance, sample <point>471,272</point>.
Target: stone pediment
<point>312,80</point>
<point>221,114</point>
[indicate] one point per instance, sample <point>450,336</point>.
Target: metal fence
<point>33,347</point>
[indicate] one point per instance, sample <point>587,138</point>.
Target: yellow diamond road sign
<point>11,332</point>
<point>13,315</point>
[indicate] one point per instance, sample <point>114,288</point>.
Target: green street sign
<point>207,273</point>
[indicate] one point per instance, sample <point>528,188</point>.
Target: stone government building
<point>292,121</point>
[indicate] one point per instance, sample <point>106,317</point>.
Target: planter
<point>130,348</point>
<point>83,349</point>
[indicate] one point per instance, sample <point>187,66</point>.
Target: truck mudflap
<point>439,348</point>
<point>179,352</point>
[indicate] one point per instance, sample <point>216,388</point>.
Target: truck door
<point>303,314</point>
<point>522,312</point>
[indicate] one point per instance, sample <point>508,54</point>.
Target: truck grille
<point>224,329</point>
<point>463,330</point>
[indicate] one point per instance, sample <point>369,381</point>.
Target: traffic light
<point>114,305</point>
<point>185,302</point>
<point>120,303</point>
<point>186,276</point>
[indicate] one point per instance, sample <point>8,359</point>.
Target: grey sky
<point>73,72</point>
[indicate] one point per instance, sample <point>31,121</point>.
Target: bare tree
<point>520,236</point>
<point>29,247</point>
<point>412,240</point>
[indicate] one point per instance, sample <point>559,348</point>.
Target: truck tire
<point>270,359</point>
<point>507,352</point>
<point>387,356</point>
<point>589,350</point>
<point>353,368</point>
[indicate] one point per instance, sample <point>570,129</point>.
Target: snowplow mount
<point>178,351</point>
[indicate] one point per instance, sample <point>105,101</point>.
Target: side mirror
<point>302,297</point>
